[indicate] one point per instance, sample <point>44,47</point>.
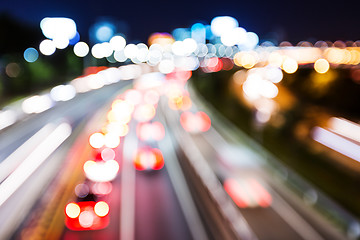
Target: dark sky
<point>289,20</point>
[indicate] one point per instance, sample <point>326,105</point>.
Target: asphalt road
<point>144,204</point>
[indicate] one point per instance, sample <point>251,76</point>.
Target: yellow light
<point>355,57</point>
<point>101,209</point>
<point>334,55</point>
<point>248,60</point>
<point>237,59</point>
<point>97,140</point>
<point>321,65</point>
<point>89,165</point>
<point>289,65</point>
<point>275,59</point>
<point>112,140</point>
<point>72,210</point>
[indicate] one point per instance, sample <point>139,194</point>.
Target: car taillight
<point>148,158</point>
<point>72,210</point>
<point>101,209</point>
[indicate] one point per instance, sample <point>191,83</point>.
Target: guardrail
<point>310,196</point>
<point>221,216</point>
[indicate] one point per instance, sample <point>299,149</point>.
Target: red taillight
<point>101,209</point>
<point>248,193</point>
<point>149,158</point>
<point>72,210</point>
<point>195,123</point>
<point>89,215</point>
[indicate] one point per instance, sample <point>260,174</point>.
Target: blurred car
<point>90,210</point>
<point>87,213</point>
<point>148,158</point>
<point>248,192</point>
<point>101,171</point>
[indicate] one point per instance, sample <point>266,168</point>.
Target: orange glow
<point>248,60</point>
<point>93,70</point>
<point>245,59</point>
<point>275,59</point>
<point>195,123</point>
<point>161,38</point>
<point>237,59</point>
<point>290,65</point>
<point>148,158</point>
<point>321,65</point>
<point>181,102</point>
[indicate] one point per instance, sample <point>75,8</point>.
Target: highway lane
<point>74,111</point>
<point>143,205</point>
<point>73,114</point>
<point>282,219</point>
<point>159,204</point>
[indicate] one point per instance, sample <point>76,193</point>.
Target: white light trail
<point>337,143</point>
<point>33,161</point>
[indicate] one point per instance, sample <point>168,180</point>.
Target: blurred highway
<point>212,186</point>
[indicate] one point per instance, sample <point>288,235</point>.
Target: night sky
<point>280,20</point>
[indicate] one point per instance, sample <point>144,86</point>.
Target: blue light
<point>209,34</point>
<point>198,32</point>
<point>31,55</point>
<point>75,39</point>
<point>180,34</point>
<point>104,32</point>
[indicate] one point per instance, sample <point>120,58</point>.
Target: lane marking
<point>9,164</point>
<point>293,219</point>
<point>33,161</point>
<point>128,178</point>
<point>178,181</point>
<point>198,161</point>
<point>285,211</point>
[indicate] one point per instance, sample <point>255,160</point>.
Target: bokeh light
<point>31,55</point>
<point>321,65</point>
<point>81,49</point>
<point>97,140</point>
<point>289,65</point>
<point>118,43</point>
<point>58,27</point>
<point>223,24</point>
<point>101,209</point>
<point>47,47</point>
<point>72,210</point>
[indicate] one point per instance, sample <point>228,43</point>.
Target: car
<point>87,213</point>
<point>148,159</point>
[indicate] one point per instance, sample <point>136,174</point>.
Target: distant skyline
<point>282,20</point>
